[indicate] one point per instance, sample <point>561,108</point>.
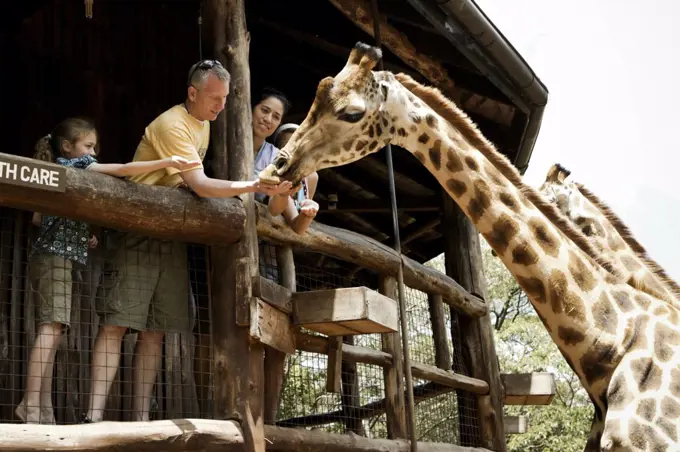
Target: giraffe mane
<point>448,110</point>
<point>630,240</point>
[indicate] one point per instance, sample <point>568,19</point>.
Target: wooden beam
<point>379,170</point>
<point>368,253</point>
<point>352,353</point>
<point>274,294</point>
<point>405,204</point>
<point>449,378</point>
<point>334,366</point>
<point>360,13</point>
<point>300,440</point>
<point>114,203</point>
<point>537,388</point>
<point>170,435</point>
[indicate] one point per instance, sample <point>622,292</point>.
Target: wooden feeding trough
<point>345,312</point>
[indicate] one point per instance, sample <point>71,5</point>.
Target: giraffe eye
<point>351,117</point>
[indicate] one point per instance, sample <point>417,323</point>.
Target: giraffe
<point>608,234</point>
<point>623,344</point>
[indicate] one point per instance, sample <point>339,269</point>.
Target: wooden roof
<point>129,63</point>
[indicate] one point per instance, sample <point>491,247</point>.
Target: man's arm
<point>207,187</point>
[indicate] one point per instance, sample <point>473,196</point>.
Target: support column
<point>238,364</point>
<point>476,347</point>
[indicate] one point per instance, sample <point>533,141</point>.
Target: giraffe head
<point>556,189</point>
<point>346,121</point>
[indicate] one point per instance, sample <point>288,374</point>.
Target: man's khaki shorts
<point>146,286</point>
<point>51,281</point>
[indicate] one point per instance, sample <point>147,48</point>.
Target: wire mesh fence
<point>103,367</point>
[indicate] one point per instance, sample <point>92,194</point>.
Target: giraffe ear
<point>557,174</point>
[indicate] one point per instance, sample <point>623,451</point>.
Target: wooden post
<point>275,360</point>
<point>394,374</point>
<point>238,364</point>
<point>464,264</point>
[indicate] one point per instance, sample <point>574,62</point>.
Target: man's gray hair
<point>200,72</point>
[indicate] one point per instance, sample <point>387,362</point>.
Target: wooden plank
<point>334,368</point>
<point>345,311</point>
<point>271,327</point>
<point>537,388</point>
<point>171,435</point>
<point>477,349</point>
<point>516,425</point>
<point>122,205</point>
<point>449,378</point>
<point>272,293</point>
<point>370,254</point>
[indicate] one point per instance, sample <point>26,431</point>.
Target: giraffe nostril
<point>280,164</point>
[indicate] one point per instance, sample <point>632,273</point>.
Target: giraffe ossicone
<point>623,343</point>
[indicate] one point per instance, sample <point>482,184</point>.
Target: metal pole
<point>400,274</point>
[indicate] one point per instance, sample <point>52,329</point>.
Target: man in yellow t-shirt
<point>148,289</point>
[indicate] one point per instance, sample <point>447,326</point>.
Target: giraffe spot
<point>670,408</point>
<point>417,104</point>
<point>509,201</point>
<point>413,128</point>
<point>622,300</point>
<point>524,254</point>
<point>630,263</point>
<point>642,436</point>
<point>596,362</point>
<point>372,146</point>
<point>430,120</point>
<point>665,338</point>
<point>562,299</point>
<point>647,373</point>
<point>415,117</point>
<point>392,130</point>
<point>661,311</point>
<point>361,144</point>
<point>420,156</point>
<point>618,394</point>
<point>457,187</point>
<point>570,336</point>
<point>604,314</point>
<point>471,163</point>
<point>436,154</point>
<point>646,409</point>
<point>546,239</point>
<point>534,288</point>
<point>651,283</point>
<point>502,232</point>
<point>643,301</point>
<point>401,132</point>
<point>634,336</point>
<point>668,428</point>
<point>481,200</point>
<point>378,130</point>
<point>674,386</point>
<point>453,163</point>
<point>347,145</point>
<point>582,274</point>
<point>385,122</point>
<point>616,243</point>
<point>371,132</point>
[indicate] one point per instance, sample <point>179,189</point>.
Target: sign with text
<point>32,173</point>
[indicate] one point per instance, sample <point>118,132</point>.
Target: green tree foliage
<point>524,345</point>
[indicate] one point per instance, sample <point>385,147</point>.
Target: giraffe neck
<point>561,279</point>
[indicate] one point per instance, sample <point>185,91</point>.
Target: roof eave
<point>466,26</point>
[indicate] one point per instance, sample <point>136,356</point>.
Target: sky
<point>613,72</point>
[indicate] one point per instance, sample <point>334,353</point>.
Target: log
<point>352,353</point>
<point>370,254</point>
<point>114,203</point>
<point>299,440</point>
<point>170,435</point>
<point>360,13</point>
